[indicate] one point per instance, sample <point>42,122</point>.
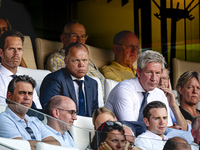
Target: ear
<point>180,90</point>
<point>115,49</point>
<point>9,95</point>
<point>65,60</point>
<point>1,52</point>
<point>138,71</point>
<point>62,38</point>
<point>193,133</point>
<point>146,121</point>
<point>55,113</point>
<point>115,118</point>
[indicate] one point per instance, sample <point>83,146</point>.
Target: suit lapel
<point>70,86</point>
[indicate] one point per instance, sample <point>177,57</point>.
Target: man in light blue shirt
<point>15,123</point>
<point>64,109</point>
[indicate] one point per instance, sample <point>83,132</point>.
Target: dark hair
<point>176,143</point>
<point>149,106</point>
<point>7,22</point>
<point>120,36</point>
<point>54,102</point>
<point>23,78</point>
<point>13,33</point>
<point>102,132</point>
<point>75,44</point>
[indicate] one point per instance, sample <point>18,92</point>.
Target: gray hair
<point>184,78</point>
<point>69,25</point>
<point>150,56</point>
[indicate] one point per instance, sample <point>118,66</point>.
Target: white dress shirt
<point>126,98</point>
<point>5,78</point>
<point>150,141</point>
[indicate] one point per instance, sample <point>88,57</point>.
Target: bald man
<point>125,47</point>
<point>64,109</point>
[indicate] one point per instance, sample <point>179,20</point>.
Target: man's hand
<point>175,126</point>
<point>169,94</point>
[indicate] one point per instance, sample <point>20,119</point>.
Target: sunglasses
<point>30,131</point>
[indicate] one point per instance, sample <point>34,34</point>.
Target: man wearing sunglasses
<point>15,123</point>
<point>64,109</point>
<point>125,47</point>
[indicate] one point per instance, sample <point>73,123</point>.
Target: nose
<point>77,38</point>
<point>119,144</point>
<point>153,77</point>
<point>74,117</point>
<point>81,64</point>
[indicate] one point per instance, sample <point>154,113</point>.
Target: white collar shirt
<point>150,141</point>
<point>5,78</point>
<point>126,98</point>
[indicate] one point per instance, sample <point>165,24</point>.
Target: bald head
<point>126,47</point>
<point>177,143</point>
<point>56,102</point>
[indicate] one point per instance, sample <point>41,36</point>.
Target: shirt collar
<point>73,78</point>
<point>155,136</point>
<point>52,130</point>
<point>14,116</point>
<point>6,72</point>
<point>139,88</point>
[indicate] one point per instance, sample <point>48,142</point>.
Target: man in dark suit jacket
<point>64,81</point>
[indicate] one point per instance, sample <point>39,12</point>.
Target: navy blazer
<point>60,83</point>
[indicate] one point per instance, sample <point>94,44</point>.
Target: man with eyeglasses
<point>73,32</point>
<point>15,123</point>
<point>64,109</point>
<point>72,81</point>
<point>125,47</point>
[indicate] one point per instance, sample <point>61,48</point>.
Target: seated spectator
<point>64,109</point>
<point>164,84</point>
<point>177,143</point>
<point>72,32</point>
<point>103,114</point>
<point>196,132</point>
<point>129,97</point>
<point>126,47</point>
<point>15,123</point>
<point>110,135</point>
<point>155,118</point>
<point>72,81</point>
<point>11,51</point>
<point>188,88</point>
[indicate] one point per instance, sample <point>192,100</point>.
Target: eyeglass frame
<point>129,46</point>
<point>72,112</point>
<point>77,36</point>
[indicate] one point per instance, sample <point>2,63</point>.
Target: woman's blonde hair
<point>99,111</point>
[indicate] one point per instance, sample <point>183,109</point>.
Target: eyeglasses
<point>30,131</point>
<point>72,112</point>
<point>74,35</point>
<point>164,78</point>
<point>130,46</point>
<point>111,124</point>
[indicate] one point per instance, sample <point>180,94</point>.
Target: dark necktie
<point>144,103</point>
<point>13,76</point>
<point>81,111</point>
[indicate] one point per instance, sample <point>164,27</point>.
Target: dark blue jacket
<point>60,83</point>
